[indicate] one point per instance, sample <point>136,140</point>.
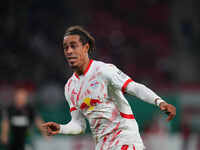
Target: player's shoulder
<point>103,65</point>
<point>98,63</point>
<point>106,69</point>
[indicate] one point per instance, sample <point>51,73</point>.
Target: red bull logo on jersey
<point>89,103</point>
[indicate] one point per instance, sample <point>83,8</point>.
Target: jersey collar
<point>86,70</point>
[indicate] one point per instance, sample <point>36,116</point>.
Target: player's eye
<point>65,47</point>
<point>73,46</point>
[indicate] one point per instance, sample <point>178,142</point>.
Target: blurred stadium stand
<point>156,42</point>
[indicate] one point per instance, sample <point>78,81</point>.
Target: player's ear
<point>87,47</point>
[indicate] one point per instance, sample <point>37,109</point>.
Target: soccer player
<point>95,92</point>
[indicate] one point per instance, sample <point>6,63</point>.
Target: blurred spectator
<point>17,119</point>
<point>185,131</point>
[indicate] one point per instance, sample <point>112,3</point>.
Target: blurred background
<point>156,42</point>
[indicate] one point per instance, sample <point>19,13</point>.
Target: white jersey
<point>98,96</point>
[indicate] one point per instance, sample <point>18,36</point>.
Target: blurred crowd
<point>136,36</point>
<point>156,42</point>
<point>133,35</point>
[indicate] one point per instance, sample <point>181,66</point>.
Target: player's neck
<point>82,68</point>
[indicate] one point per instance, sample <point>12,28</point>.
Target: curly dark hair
<point>85,36</point>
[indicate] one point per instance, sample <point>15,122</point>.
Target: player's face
<point>74,51</point>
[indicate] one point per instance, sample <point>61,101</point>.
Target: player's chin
<point>73,65</point>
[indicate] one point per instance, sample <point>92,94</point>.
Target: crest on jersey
<point>94,84</point>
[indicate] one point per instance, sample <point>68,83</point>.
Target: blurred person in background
<point>17,119</point>
<point>95,92</point>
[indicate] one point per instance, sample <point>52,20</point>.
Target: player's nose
<point>69,51</point>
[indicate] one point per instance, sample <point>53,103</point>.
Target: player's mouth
<point>71,59</point>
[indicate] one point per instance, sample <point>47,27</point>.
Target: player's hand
<point>169,109</point>
<point>51,128</point>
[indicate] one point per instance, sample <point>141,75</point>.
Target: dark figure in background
<point>17,119</point>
